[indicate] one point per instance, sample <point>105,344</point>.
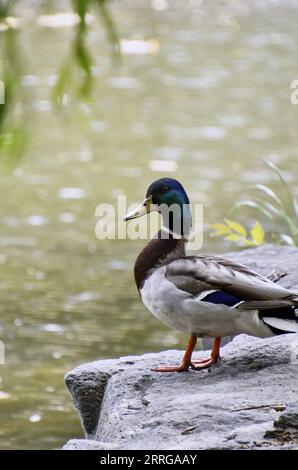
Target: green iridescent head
<point>168,197</point>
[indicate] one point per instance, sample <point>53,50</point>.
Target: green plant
<point>12,129</point>
<point>236,232</point>
<point>14,112</point>
<point>79,55</point>
<point>279,208</point>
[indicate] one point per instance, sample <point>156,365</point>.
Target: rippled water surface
<point>206,97</point>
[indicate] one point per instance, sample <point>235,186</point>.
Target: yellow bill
<point>141,210</point>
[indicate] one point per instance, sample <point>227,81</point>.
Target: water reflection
<point>205,108</point>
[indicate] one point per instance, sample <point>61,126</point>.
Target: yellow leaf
<point>258,234</point>
<point>236,227</point>
<point>234,237</point>
<point>220,229</point>
<point>248,242</point>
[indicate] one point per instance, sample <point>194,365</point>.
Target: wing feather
<point>266,304</point>
<point>216,273</point>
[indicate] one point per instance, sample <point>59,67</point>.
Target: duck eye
<point>164,189</point>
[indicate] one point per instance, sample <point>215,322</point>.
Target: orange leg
<point>215,357</point>
<point>196,365</point>
<point>186,361</point>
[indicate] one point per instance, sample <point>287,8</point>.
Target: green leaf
<point>252,205</point>
<point>269,192</point>
<point>275,168</point>
<point>273,209</point>
<point>295,203</point>
<point>238,228</point>
<point>81,7</point>
<point>287,239</point>
<point>110,27</point>
<point>290,196</point>
<point>258,234</point>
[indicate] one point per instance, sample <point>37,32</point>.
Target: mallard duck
<point>203,295</point>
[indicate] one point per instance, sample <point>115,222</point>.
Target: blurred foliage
<point>236,232</point>
<point>79,55</point>
<point>12,130</point>
<point>13,114</point>
<point>279,208</point>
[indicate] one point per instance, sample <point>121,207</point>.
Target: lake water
<point>203,96</point>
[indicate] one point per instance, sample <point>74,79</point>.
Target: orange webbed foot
<point>180,368</point>
<point>205,363</point>
<point>195,365</point>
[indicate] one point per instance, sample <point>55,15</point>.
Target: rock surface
<point>249,401</point>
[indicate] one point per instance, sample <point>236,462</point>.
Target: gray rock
<point>289,418</point>
<point>249,401</point>
<point>85,444</point>
<point>87,387</point>
<point>285,426</point>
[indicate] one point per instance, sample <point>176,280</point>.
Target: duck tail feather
<point>281,320</point>
<point>283,326</point>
